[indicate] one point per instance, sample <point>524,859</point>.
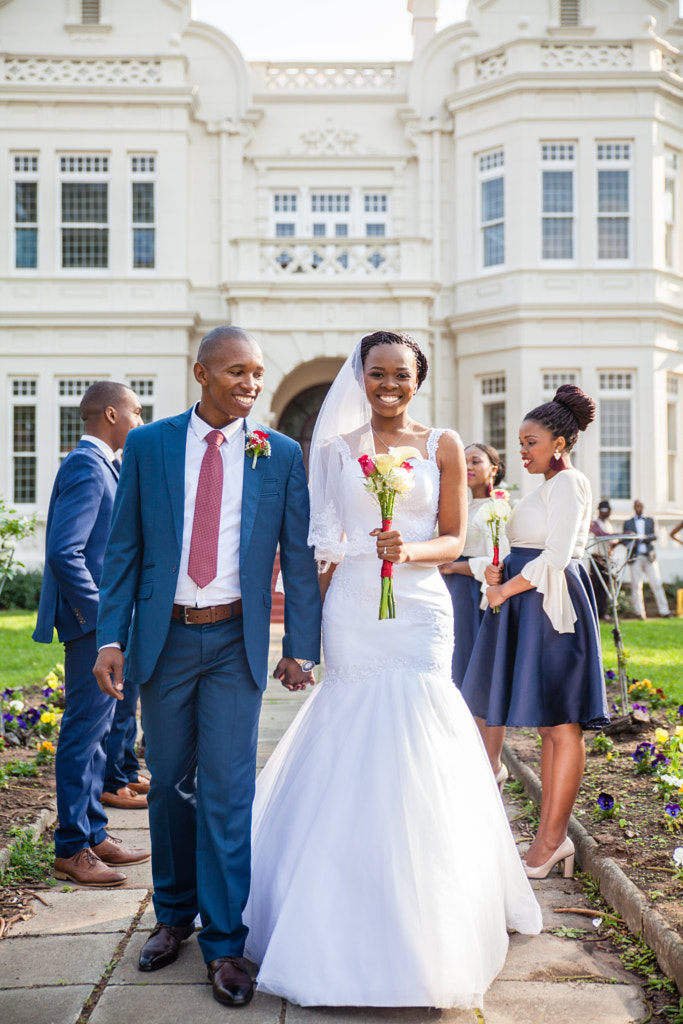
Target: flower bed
<point>631,799</point>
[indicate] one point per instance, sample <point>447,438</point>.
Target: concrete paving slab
<point>148,919</point>
<point>121,819</point>
<point>56,959</point>
<point>545,957</point>
<point>189,968</point>
<point>138,876</point>
<point>83,910</point>
<point>516,1002</point>
<point>60,1005</point>
<point>177,1004</point>
<point>559,893</point>
<point>376,1015</point>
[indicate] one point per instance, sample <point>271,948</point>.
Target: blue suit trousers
<point>200,711</point>
<point>81,754</point>
<point>122,763</point>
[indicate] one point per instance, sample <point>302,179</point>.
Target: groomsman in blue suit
<point>78,524</point>
<point>203,502</point>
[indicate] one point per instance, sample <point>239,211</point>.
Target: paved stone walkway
<point>50,964</point>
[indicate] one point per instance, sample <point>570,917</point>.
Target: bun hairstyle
<point>389,338</point>
<point>570,411</point>
<point>494,458</point>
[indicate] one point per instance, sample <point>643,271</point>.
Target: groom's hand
<point>108,671</point>
<point>291,675</point>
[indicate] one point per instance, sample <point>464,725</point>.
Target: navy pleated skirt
<point>524,673</point>
<point>465,594</point>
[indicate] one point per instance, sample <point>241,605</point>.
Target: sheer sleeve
<point>326,532</point>
<point>567,501</point>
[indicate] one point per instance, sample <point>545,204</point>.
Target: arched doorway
<point>299,416</point>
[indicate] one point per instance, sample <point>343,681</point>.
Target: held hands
<point>493,575</point>
<point>108,671</point>
<point>390,546</point>
<point>291,675</point>
<point>495,596</point>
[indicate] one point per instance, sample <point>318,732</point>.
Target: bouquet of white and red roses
<point>495,514</point>
<point>385,477</point>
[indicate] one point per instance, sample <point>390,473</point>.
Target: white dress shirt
<point>640,530</point>
<point>225,587</point>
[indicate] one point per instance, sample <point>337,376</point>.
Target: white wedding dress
<point>384,871</point>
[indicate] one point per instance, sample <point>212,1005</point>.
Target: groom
<point>186,592</point>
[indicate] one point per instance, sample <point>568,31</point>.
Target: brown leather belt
<point>204,616</point>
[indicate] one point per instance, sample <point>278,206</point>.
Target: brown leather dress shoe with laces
<point>231,982</point>
<point>141,785</point>
<point>86,868</point>
<point>124,798</point>
<point>163,945</point>
<point>112,851</point>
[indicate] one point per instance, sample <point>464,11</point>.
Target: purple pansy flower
<point>609,674</point>
<point>673,810</point>
<point>605,802</point>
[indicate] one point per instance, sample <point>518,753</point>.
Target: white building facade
<point>512,197</point>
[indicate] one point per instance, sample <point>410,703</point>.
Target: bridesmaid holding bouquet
<point>464,577</point>
<point>538,662</point>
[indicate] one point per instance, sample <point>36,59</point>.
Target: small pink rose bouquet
<point>495,514</point>
<point>386,476</point>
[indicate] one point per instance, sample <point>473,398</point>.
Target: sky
<point>317,30</point>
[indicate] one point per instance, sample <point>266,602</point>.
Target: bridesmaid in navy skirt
<point>537,662</point>
<point>465,576</point>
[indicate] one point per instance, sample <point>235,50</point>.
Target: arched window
<point>299,416</point>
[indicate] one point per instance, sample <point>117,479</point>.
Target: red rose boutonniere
<point>257,444</point>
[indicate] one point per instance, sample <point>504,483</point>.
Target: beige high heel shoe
<point>502,776</point>
<point>564,856</point>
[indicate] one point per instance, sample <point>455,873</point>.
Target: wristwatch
<point>306,665</point>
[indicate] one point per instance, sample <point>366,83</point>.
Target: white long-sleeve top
<point>478,544</point>
<point>555,517</point>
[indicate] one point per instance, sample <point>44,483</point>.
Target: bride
<point>384,872</point>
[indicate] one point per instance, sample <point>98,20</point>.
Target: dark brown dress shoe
<point>231,982</point>
<point>163,945</point>
<point>112,851</point>
<point>86,868</point>
<point>125,798</point>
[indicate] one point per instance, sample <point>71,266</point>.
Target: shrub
<point>22,590</point>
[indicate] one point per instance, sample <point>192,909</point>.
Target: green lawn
<point>655,650</point>
<point>23,662</point>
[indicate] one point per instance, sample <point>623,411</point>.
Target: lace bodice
<point>351,512</point>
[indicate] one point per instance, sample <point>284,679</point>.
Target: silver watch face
<point>307,666</point>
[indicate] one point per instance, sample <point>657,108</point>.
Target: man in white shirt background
<point>644,564</point>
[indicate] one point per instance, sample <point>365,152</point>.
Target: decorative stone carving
<point>329,140</point>
<point>325,77</point>
<point>586,56</point>
<point>670,64</point>
<point>492,67</point>
<point>330,259</point>
<point>46,70</point>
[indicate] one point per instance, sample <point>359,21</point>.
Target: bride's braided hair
<point>389,338</point>
<point>570,411</point>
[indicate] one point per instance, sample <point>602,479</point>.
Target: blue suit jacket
<point>78,522</point>
<point>140,570</point>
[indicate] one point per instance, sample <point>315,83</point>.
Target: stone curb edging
<point>47,817</point>
<point>619,891</point>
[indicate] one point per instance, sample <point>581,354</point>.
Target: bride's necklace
<point>386,445</point>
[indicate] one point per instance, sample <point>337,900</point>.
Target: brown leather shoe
<point>112,851</point>
<point>125,798</point>
<point>86,868</point>
<point>141,785</point>
<point>163,945</point>
<point>231,982</point>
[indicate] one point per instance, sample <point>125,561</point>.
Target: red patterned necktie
<point>207,513</point>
